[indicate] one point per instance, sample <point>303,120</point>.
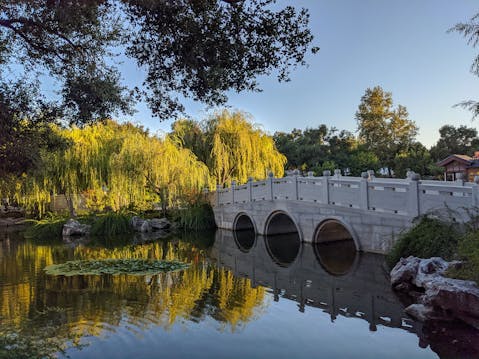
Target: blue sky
<point>400,45</point>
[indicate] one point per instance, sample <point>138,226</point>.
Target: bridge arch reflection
<point>243,222</point>
<point>335,247</point>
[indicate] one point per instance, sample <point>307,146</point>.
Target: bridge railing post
<point>413,191</point>
<point>233,186</point>
<point>475,193</point>
<point>296,190</point>
<point>325,187</point>
<point>250,188</point>
<point>270,185</point>
<point>363,191</point>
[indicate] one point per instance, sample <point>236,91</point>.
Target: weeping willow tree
<point>232,147</point>
<point>117,166</point>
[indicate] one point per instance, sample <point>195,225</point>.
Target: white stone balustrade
<point>407,197</point>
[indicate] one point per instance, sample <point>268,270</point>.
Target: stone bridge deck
<point>372,210</point>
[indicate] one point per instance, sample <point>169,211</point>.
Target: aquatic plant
<point>114,267</point>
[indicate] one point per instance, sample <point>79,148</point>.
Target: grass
<point>111,224</point>
<point>198,216</point>
<point>430,237</point>
<point>468,253</point>
<point>114,267</point>
<point>46,229</point>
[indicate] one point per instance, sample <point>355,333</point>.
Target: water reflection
<point>338,257</point>
<point>362,293</point>
<point>245,239</point>
<point>283,248</point>
<point>224,300</point>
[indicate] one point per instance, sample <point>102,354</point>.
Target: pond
<point>241,297</point>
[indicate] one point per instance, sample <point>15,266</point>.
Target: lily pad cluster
<point>114,267</point>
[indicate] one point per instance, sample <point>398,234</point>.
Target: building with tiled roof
<point>460,164</point>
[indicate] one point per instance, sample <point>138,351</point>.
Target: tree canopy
<point>196,49</point>
<point>460,140</point>
<point>385,131</point>
<point>231,146</point>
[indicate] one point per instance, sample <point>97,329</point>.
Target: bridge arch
<point>335,229</point>
<point>243,221</point>
<point>336,247</point>
<point>244,232</point>
<point>283,238</point>
<point>281,222</point>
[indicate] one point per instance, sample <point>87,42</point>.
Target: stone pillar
<point>295,182</point>
<point>337,173</point>
<point>363,191</point>
<point>460,179</point>
<point>270,185</point>
<point>413,192</point>
<point>233,186</point>
<point>325,187</point>
<point>250,188</point>
<point>475,192</point>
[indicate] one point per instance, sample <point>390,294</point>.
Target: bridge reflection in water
<point>332,276</point>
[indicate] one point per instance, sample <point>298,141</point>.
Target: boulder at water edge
<point>75,228</point>
<point>438,297</point>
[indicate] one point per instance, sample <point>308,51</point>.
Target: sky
<point>402,46</point>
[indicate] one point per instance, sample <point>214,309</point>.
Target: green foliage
<point>231,146</point>
<point>468,252</point>
<point>49,228</point>
<point>115,166</point>
<point>461,141</point>
<point>197,216</point>
<point>416,158</point>
<point>323,148</point>
<point>114,267</point>
<point>200,42</point>
<point>384,130</point>
<point>429,237</point>
<point>111,224</point>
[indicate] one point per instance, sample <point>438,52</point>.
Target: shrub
<point>429,237</point>
<point>111,224</point>
<point>197,216</point>
<point>468,252</point>
<point>46,229</point>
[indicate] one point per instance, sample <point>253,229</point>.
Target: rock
<point>75,228</point>
<point>140,224</point>
<point>443,298</point>
<point>420,312</point>
<point>160,223</point>
<point>404,271</point>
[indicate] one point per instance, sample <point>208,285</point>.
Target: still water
<point>242,297</point>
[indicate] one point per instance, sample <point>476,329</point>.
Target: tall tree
<point>460,140</point>
<point>386,131</point>
<point>470,30</point>
<point>194,49</point>
<point>231,146</point>
<point>198,49</point>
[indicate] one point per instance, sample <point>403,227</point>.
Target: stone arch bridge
<point>370,211</point>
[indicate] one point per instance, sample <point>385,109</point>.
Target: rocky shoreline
<point>431,295</point>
